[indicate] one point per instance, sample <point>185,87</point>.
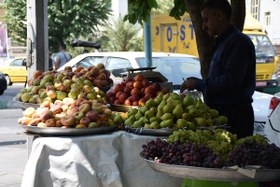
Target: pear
<point>201,122</point>
<point>214,113</point>
<point>159,98</point>
<point>147,126</point>
<point>220,120</point>
<point>169,100</point>
<point>188,100</point>
<point>152,119</point>
<point>167,116</point>
<point>154,125</point>
<point>149,114</point>
<point>175,96</point>
<point>178,111</point>
<point>143,109</point>
<point>200,105</point>
<point>166,96</point>
<point>129,121</point>
<point>194,112</point>
<point>137,124</point>
<point>159,113</point>
<point>191,125</point>
<point>180,123</point>
<point>132,111</point>
<point>118,119</point>
<point>166,123</point>
<point>161,105</point>
<point>209,122</point>
<point>150,103</point>
<point>186,116</point>
<point>168,108</point>
<point>144,120</point>
<point>223,119</point>
<point>138,115</point>
<point>153,109</point>
<point>177,102</point>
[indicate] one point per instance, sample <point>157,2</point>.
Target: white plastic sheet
<point>109,160</point>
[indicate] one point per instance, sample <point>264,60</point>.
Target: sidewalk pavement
<point>13,148</point>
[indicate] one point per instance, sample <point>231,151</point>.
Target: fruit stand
<point>84,136</point>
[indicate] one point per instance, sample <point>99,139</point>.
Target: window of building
<point>255,9</point>
<point>267,18</point>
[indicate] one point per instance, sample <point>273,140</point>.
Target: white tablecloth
<point>109,160</point>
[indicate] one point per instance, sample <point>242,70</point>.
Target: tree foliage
<point>67,19</point>
<point>122,36</point>
<point>138,12</point>
<point>15,19</point>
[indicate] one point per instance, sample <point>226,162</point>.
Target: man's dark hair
<point>221,5</point>
<point>62,45</point>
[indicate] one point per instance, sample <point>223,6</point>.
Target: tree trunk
<point>205,43</point>
<point>238,13</point>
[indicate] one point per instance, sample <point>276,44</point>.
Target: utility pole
<point>37,36</point>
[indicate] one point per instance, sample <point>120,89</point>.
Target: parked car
<point>173,66</point>
<point>272,126</point>
<point>3,83</point>
<point>15,71</point>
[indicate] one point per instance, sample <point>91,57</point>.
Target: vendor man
<point>232,74</point>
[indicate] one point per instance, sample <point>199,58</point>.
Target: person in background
<point>62,57</point>
<point>231,80</point>
<point>50,62</point>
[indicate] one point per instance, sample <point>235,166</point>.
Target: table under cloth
<point>105,160</point>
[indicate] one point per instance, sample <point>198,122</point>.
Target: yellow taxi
<point>15,71</point>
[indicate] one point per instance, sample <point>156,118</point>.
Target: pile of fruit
<point>172,110</point>
<point>78,83</point>
<point>212,149</point>
<point>134,91</point>
<point>70,113</point>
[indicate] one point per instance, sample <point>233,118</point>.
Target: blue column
<point>148,43</point>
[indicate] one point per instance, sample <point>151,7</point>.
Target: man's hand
<point>188,84</point>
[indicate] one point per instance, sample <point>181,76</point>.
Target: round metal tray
<point>57,131</point>
<point>215,174</point>
<point>152,132</point>
<point>24,106</point>
<point>122,108</point>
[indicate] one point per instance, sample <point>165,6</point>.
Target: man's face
<point>210,21</point>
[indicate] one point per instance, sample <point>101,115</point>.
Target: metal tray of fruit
<point>215,174</point>
<point>57,131</point>
<point>121,108</point>
<point>151,132</point>
<point>23,105</point>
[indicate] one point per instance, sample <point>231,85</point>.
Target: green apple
<point>87,89</point>
<point>88,82</point>
<point>51,94</point>
<point>67,83</point>
<point>57,85</point>
<point>91,96</point>
<point>25,97</point>
<point>60,95</point>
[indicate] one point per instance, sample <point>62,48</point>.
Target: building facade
<point>119,8</point>
<point>267,12</point>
